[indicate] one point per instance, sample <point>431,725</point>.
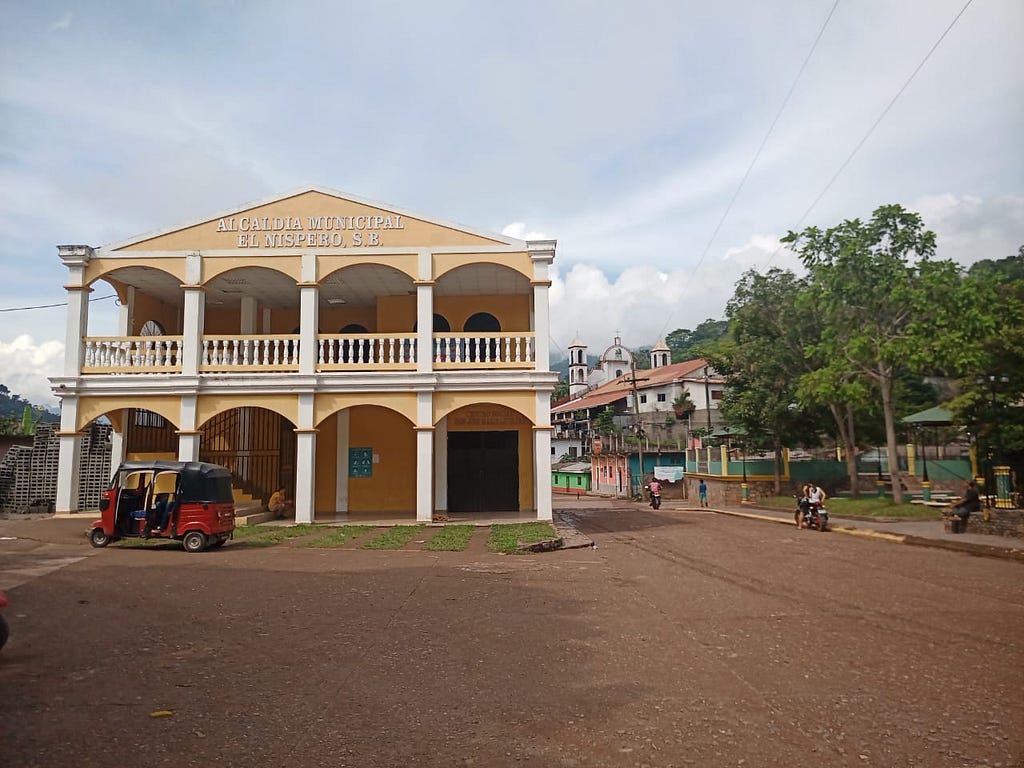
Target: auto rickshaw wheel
<point>194,541</point>
<point>99,538</point>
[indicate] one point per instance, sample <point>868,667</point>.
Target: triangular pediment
<point>313,218</point>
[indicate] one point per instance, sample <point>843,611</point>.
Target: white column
<point>77,328</point>
<point>542,471</point>
<point>309,315</point>
<point>441,465</point>
<point>341,469</point>
<point>126,313</point>
<point>424,311</point>
<point>70,448</point>
<point>541,325</point>
<point>76,258</point>
<point>117,443</point>
<point>305,461</point>
<point>542,456</point>
<point>424,457</point>
<point>188,435</point>
<point>424,327</point>
<point>193,315</point>
<point>542,254</point>
<point>248,315</point>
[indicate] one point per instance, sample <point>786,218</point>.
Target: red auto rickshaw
<point>186,501</point>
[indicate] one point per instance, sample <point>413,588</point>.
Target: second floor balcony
<point>255,353</point>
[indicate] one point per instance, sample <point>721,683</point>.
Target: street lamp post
<point>745,489</point>
<point>1000,471</point>
<point>707,399</point>
<point>926,486</point>
<point>879,481</point>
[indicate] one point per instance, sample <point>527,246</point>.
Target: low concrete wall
<point>1001,522</point>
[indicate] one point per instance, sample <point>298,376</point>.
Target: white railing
<point>335,352</point>
<point>484,350</point>
<point>350,351</point>
<point>131,354</point>
<point>250,352</point>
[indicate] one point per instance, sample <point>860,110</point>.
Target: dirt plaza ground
<point>682,638</point>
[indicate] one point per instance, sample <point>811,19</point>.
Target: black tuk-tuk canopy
<point>197,480</point>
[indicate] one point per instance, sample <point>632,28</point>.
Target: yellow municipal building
<point>365,358</point>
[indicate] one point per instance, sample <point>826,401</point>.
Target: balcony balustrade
<point>250,352</point>
<point>336,353</point>
<point>132,354</point>
<point>366,351</point>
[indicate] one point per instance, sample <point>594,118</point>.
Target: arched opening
<point>482,348</point>
<point>256,444</point>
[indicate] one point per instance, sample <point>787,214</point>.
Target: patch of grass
<point>865,506</point>
<point>507,538</point>
<point>270,535</point>
<point>338,536</point>
<point>394,538</point>
<point>451,538</point>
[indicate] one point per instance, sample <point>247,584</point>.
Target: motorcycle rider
<point>655,488</point>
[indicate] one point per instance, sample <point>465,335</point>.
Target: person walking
<point>702,492</point>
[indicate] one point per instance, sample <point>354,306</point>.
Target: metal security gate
<point>483,471</point>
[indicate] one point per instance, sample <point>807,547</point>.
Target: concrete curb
<point>970,548</point>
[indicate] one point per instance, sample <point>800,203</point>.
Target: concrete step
<point>251,513</point>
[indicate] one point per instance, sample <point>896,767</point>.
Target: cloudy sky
<point>623,129</point>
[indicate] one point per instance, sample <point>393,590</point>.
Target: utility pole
<point>637,422</point>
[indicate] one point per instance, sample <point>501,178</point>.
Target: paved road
<point>674,642</point>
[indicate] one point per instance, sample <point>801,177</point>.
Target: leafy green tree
<point>990,394</point>
<point>763,361</point>
<point>886,305</point>
<point>686,344</point>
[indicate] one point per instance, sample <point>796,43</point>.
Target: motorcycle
<point>655,497</point>
<point>810,515</point>
<point>4,629</point>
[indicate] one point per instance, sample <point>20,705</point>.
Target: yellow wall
<point>147,308</point>
<point>334,319</point>
<point>393,485</point>
<point>415,232</point>
<point>327,465</point>
<point>396,314</point>
<point>512,312</point>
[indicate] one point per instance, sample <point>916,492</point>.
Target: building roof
<point>620,388</point>
<point>580,467</point>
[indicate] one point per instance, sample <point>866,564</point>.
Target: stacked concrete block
<point>28,474</point>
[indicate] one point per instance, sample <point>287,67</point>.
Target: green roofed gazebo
<point>932,417</point>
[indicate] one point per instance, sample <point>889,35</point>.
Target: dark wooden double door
<point>483,471</point>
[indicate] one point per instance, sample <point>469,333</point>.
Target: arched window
<point>151,328</point>
<point>484,349</point>
<point>354,351</point>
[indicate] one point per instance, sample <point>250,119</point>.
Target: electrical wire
<point>871,130</point>
<point>757,154</point>
<point>50,306</point>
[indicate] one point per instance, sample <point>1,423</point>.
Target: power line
<point>764,141</point>
<point>760,148</point>
<point>874,125</point>
<point>50,306</point>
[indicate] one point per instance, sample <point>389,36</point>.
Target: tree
<point>990,394</point>
<point>885,305</point>
<point>686,344</point>
<point>762,362</point>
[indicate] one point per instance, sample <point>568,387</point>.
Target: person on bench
<point>156,520</point>
<point>961,510</point>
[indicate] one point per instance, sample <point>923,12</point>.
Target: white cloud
<point>518,230</point>
<point>27,364</point>
<point>63,23</point>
